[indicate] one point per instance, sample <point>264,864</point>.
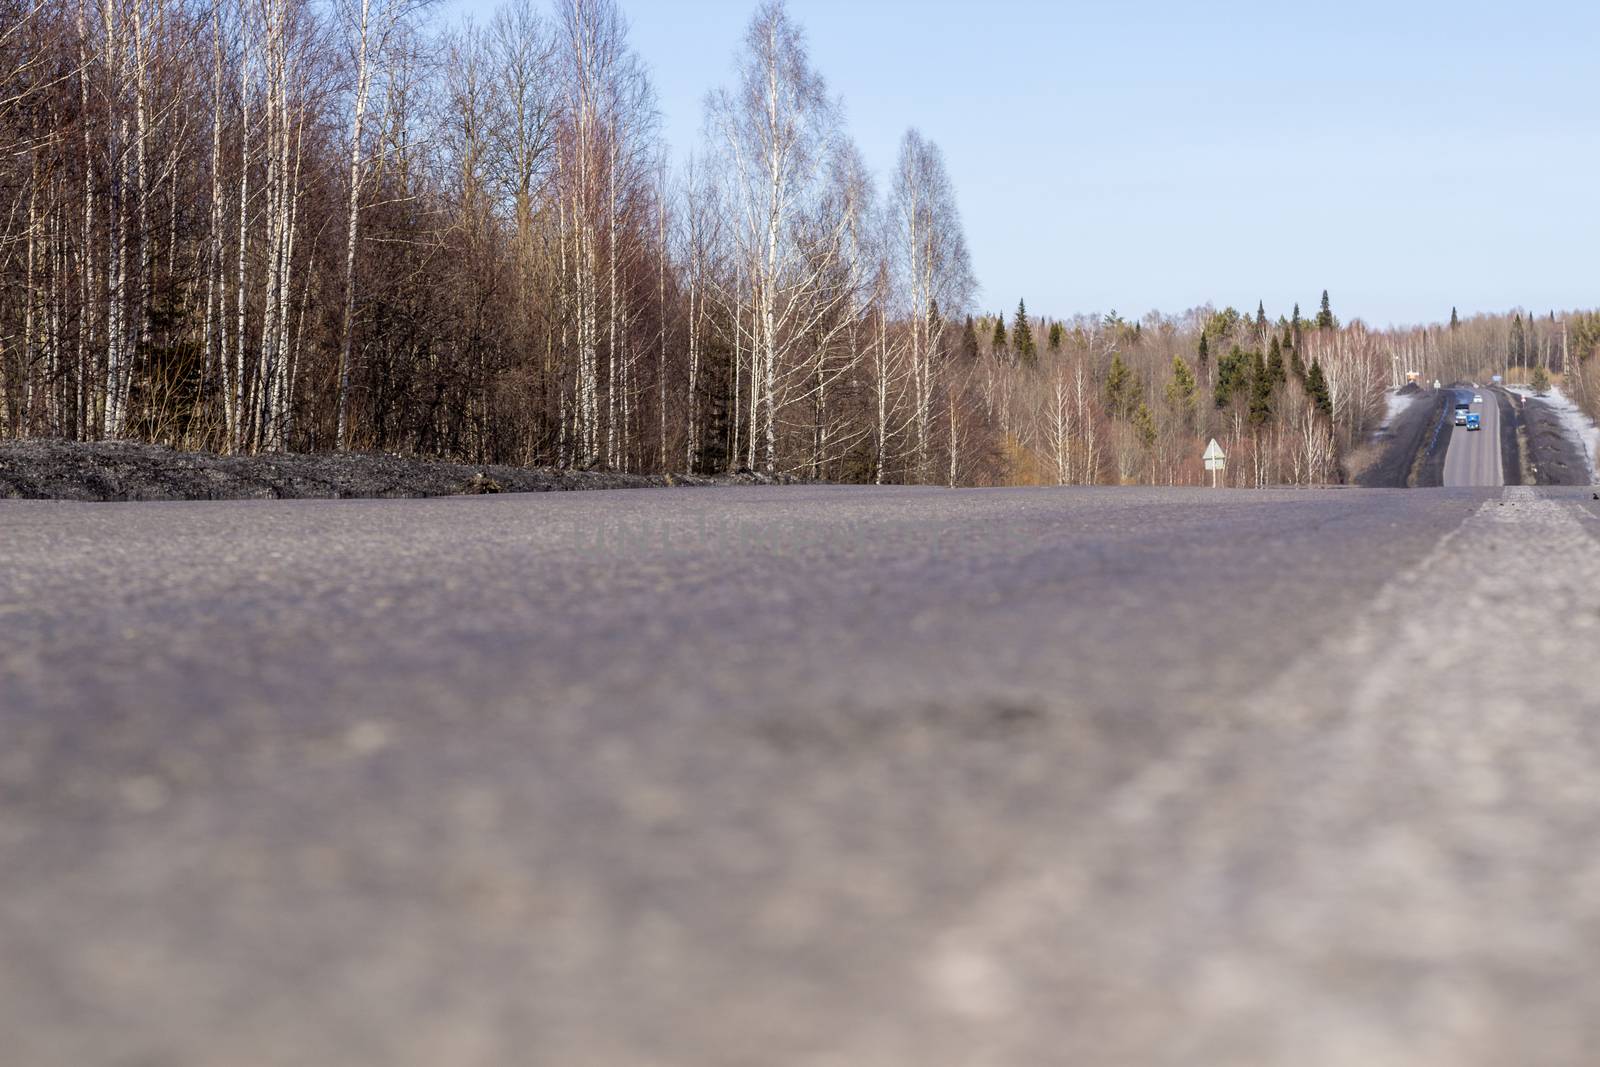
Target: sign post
<point>1216,460</point>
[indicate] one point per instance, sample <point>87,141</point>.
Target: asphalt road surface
<point>1475,459</point>
<point>802,776</point>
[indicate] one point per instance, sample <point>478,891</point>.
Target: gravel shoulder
<point>121,470</point>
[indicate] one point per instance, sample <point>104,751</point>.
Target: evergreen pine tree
<point>1296,326</point>
<point>1183,392</point>
<point>1325,319</point>
<point>1055,336</point>
<point>998,341</point>
<point>1455,321</point>
<point>1516,348</point>
<point>1144,424</point>
<point>969,340</point>
<point>1120,388</point>
<point>1540,381</point>
<point>1297,366</point>
<point>1204,356</point>
<point>1022,336</point>
<point>1317,387</point>
<point>1260,393</point>
<point>1233,372</point>
<point>1261,315</point>
<point>1276,373</point>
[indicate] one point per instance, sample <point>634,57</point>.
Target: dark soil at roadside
<point>120,470</point>
<point>1403,453</point>
<point>1554,458</point>
<point>1513,440</point>
<point>1428,473</point>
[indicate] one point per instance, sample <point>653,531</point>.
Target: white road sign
<point>1216,460</point>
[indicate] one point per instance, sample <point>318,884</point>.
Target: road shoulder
<point>103,471</point>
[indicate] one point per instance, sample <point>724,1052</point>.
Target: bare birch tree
<point>776,131</point>
<point>934,271</point>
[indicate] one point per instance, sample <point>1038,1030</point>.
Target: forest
<point>283,225</point>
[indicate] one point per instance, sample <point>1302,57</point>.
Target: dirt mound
<point>1553,455</point>
<point>121,470</point>
<point>1409,389</point>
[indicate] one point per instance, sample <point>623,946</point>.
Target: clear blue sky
<point>1406,155</point>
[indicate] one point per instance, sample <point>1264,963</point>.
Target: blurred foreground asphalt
<point>696,778</point>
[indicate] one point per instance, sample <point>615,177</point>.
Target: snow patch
<point>1573,420</point>
<point>1395,405</point>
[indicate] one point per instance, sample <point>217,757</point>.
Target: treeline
<point>1104,400</point>
<point>257,225</point>
<point>1101,399</point>
<point>1524,346</point>
<point>278,224</point>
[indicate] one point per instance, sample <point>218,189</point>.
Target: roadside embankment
<point>1428,469</point>
<point>1554,458</point>
<point>1559,438</point>
<point>1397,456</point>
<point>120,470</point>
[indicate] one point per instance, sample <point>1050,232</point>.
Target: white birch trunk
<point>358,116</point>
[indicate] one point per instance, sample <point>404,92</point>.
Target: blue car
<point>1474,421</point>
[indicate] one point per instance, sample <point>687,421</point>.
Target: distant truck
<point>1462,410</point>
<point>1474,421</point>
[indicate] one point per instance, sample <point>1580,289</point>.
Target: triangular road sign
<point>1213,451</point>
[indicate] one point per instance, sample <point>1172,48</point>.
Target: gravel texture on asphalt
<point>802,776</point>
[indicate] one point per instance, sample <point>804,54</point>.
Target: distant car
<point>1474,421</point>
<point>1461,416</point>
<point>1477,398</point>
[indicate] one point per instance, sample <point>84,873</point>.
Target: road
<point>802,776</point>
<point>1475,459</point>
